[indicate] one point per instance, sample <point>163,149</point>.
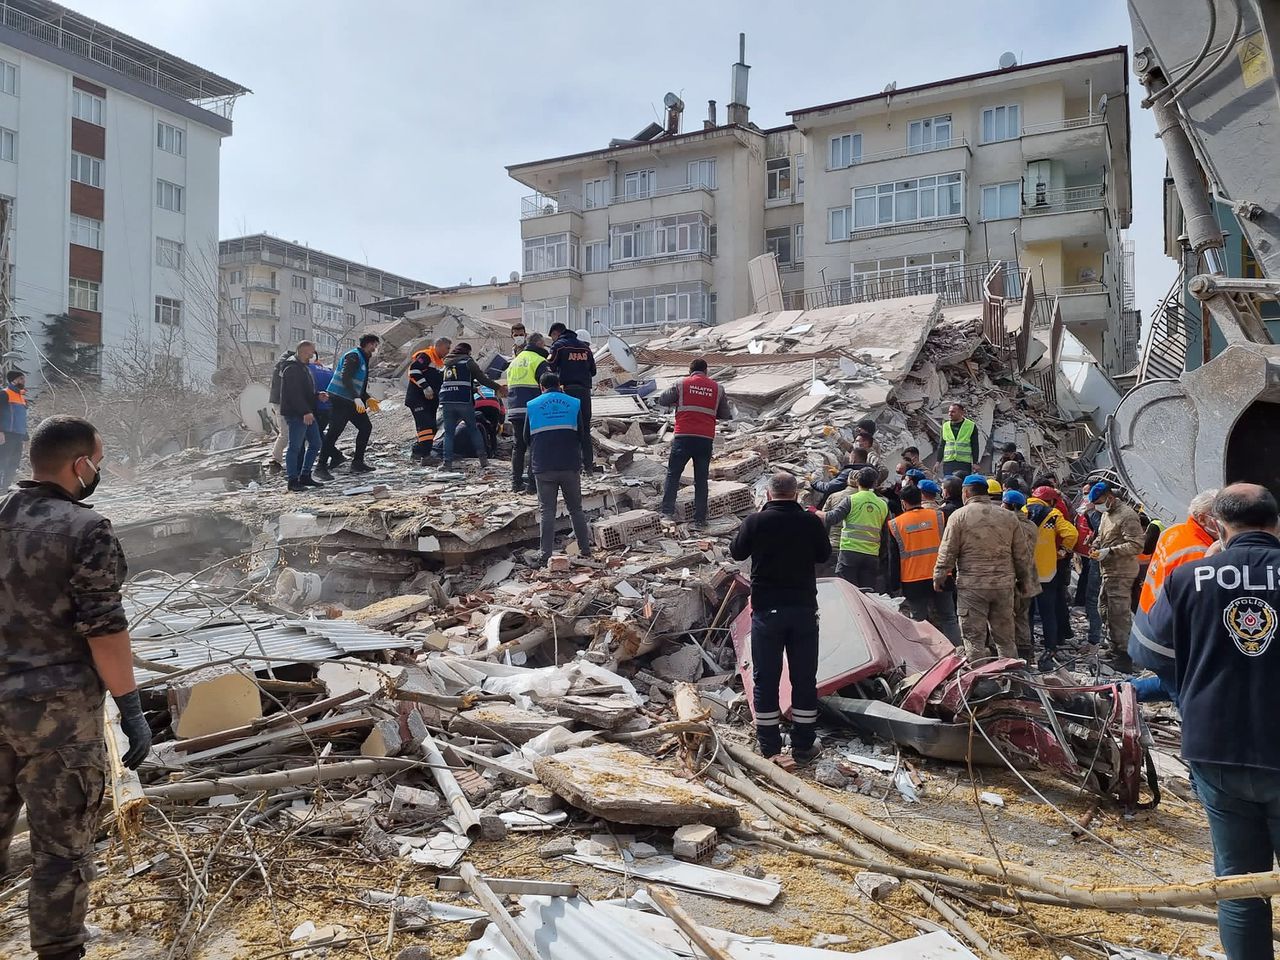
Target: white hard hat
<point>584,335</point>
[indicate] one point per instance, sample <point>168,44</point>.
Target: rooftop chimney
<point>738,109</point>
<point>710,122</point>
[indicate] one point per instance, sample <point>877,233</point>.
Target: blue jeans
<point>1045,606</point>
<point>297,462</point>
<point>464,413</point>
<point>684,449</point>
<point>1243,806</point>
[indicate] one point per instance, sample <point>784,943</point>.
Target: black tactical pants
<point>52,758</point>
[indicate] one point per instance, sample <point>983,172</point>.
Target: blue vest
<point>336,387</point>
<point>553,432</point>
<point>458,382</point>
<point>14,419</point>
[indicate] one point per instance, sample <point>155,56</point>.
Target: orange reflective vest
<point>696,408</point>
<point>918,533</point>
<point>1182,543</point>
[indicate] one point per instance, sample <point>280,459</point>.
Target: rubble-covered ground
<point>358,690</point>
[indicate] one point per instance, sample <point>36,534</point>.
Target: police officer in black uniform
<point>574,363</point>
<point>1214,628</point>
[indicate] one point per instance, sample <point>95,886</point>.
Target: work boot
<point>338,459</point>
<point>75,953</point>
<point>307,480</point>
<point>274,468</point>
<point>807,754</point>
<point>484,463</point>
<point>295,486</point>
<point>359,466</point>
<point>322,474</point>
<point>447,465</point>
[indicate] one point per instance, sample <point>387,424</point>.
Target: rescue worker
<point>298,400</point>
<point>982,544</point>
<point>320,376</point>
<point>422,395</point>
<point>552,421</point>
<point>961,450</point>
<point>825,488</point>
<point>523,377</point>
<point>1015,501</point>
<point>699,403</point>
<point>1182,543</point>
<point>911,455</point>
<point>784,544</point>
<point>1089,583</point>
<point>66,638</point>
<point>1012,464</point>
<point>1151,530</point>
<point>861,518</point>
<point>519,338</point>
<point>457,400</point>
<point>13,426</point>
<point>1116,548</point>
<point>349,396</point>
<point>1044,488</point>
<point>1055,538</point>
<point>953,495</point>
<point>276,464</point>
<point>931,494</point>
<point>490,414</point>
<point>914,537</point>
<point>574,363</point>
<point>1212,628</point>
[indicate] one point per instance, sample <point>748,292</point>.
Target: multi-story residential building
<point>275,293</point>
<point>109,151</point>
<point>478,298</point>
<point>881,195</point>
<point>1026,164</point>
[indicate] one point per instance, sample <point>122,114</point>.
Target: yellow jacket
<point>1056,532</point>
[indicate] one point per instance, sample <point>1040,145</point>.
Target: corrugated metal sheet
<point>563,928</point>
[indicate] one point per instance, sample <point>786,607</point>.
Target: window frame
<point>298,308</point>
<point>776,170</point>
<point>8,70</point>
<point>592,252</point>
<point>293,281</point>
<point>888,200</point>
<point>704,165</point>
<point>95,165</point>
<point>797,243</point>
<point>8,145</point>
<point>596,193</point>
<point>90,291</point>
<point>76,227</point>
<point>1001,191</point>
<point>1010,109</point>
<point>550,253</point>
<point>170,308</point>
<point>854,151</point>
<point>846,213</point>
<point>174,192</point>
<point>176,254</point>
<point>297,334</point>
<point>177,137</point>
<point>780,244</point>
<point>932,123</point>
<point>647,176</point>
<point>97,106</point>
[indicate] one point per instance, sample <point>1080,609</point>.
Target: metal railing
<point>910,151</point>
<point>1071,123</point>
<point>660,192</point>
<point>954,284</point>
<point>1080,289</point>
<point>909,226</point>
<point>548,205</point>
<point>1164,353</point>
<point>1065,200</point>
<point>218,101</point>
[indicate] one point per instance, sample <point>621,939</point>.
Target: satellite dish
<point>1007,60</point>
<point>1102,104</point>
<point>891,86</point>
<point>514,276</point>
<point>621,351</point>
<point>254,400</point>
<point>493,281</point>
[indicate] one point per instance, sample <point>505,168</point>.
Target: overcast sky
<point>379,131</point>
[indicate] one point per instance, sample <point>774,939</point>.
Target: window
<point>237,305</point>
<point>778,178</point>
<point>667,236</point>
<point>8,78</point>
<point>702,173</point>
<point>82,294</point>
<point>168,196</point>
<point>668,303</point>
<point>556,251</point>
<point>351,295</point>
<point>778,242</point>
<point>351,319</point>
<point>298,308</point>
<point>903,276</point>
<point>595,193</point>
<point>170,139</point>
<point>1001,123</point>
<point>8,145</point>
<point>596,319</point>
<point>87,107</point>
<point>169,311</point>
<point>237,276</point>
<point>86,169</point>
<point>797,245</point>
<point>238,331</point>
<point>169,253</point>
<point>595,256</point>
<point>541,314</point>
<point>931,134</point>
<point>326,314</point>
<point>299,281</point>
<point>297,334</point>
<point>800,176</point>
<point>1001,201</point>
<point>838,224</point>
<point>906,201</point>
<point>639,184</point>
<point>86,232</point>
<point>328,289</point>
<point>169,368</point>
<point>846,150</point>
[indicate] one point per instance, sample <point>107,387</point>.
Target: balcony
<point>699,258</point>
<point>1084,304</point>
<point>1058,137</point>
<point>954,284</point>
<point>543,214</point>
<point>667,202</point>
<point>258,313</point>
<point>949,156</point>
<point>1071,213</point>
<point>260,285</point>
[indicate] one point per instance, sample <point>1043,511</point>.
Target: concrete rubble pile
<point>383,674</point>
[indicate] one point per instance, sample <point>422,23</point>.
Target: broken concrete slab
<point>501,721</point>
<point>213,700</point>
<point>623,786</point>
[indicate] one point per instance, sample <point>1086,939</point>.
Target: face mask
<point>520,342</point>
<point>86,489</point>
<point>1104,507</point>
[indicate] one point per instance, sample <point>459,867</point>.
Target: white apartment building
<point>882,195</point>
<point>109,151</point>
<point>275,293</point>
<point>1027,164</point>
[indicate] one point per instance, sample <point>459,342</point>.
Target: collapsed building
<point>382,677</point>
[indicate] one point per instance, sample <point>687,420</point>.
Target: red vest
<point>696,410</point>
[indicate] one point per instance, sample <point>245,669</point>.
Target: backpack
<point>277,375</point>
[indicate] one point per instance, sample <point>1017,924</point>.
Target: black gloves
<point>135,728</point>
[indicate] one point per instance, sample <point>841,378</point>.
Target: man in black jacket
<point>298,408</point>
<point>784,544</point>
<point>574,363</point>
<point>1215,625</point>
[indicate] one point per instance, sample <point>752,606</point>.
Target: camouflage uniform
<point>1120,530</point>
<point>1022,603</point>
<point>61,569</point>
<point>985,546</point>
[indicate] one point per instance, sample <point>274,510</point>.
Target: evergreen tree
<point>64,356</point>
